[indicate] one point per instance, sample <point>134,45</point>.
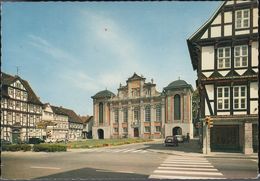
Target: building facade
<point>59,123</point>
<point>138,110</point>
<point>21,110</point>
<point>224,51</point>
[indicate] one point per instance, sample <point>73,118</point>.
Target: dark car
<point>171,141</point>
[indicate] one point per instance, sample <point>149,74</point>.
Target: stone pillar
<point>248,141</point>
<point>206,139</point>
<point>163,120</point>
<point>129,121</point>
<point>141,131</point>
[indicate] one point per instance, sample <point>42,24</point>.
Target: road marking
<point>137,151</point>
<point>187,165</point>
<point>144,151</point>
<point>255,160</point>
<point>181,177</point>
<point>188,172</point>
<point>52,168</point>
<point>117,171</point>
<point>119,150</point>
<point>179,168</point>
<point>128,150</point>
<point>187,161</point>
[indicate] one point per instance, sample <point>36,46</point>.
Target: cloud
<point>113,37</point>
<point>48,48</point>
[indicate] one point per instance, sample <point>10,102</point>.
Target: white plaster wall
<point>255,17</point>
<point>254,107</point>
<point>206,108</point>
<point>255,53</point>
<point>228,17</point>
<point>227,30</point>
<point>241,72</point>
<point>205,35</point>
<point>242,32</point>
<point>212,106</point>
<point>242,1</point>
<point>217,20</point>
<point>210,91</point>
<point>207,74</point>
<point>207,57</point>
<point>223,113</point>
<point>255,69</point>
<point>254,90</point>
<point>255,30</point>
<point>215,31</point>
<point>230,2</point>
<point>239,112</point>
<point>224,72</point>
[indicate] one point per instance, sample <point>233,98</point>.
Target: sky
<point>69,51</point>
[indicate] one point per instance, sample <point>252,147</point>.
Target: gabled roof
<point>7,80</point>
<point>103,94</point>
<point>73,117</point>
<point>135,77</point>
<point>192,46</point>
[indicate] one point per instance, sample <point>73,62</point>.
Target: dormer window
<point>224,57</point>
<point>242,19</point>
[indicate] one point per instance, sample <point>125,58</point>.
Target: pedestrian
<point>188,137</point>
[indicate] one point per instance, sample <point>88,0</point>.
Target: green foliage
<point>104,142</point>
<point>195,103</point>
<point>16,147</point>
<point>49,147</point>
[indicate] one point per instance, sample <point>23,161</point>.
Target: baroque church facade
<point>139,110</point>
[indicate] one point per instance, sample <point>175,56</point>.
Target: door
<point>136,132</point>
<point>100,134</point>
<point>15,137</point>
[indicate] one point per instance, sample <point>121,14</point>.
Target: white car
<point>180,138</point>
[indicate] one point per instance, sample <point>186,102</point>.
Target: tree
<point>195,104</point>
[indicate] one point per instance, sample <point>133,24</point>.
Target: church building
<point>139,110</point>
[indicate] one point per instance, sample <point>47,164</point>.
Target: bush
<point>16,147</point>
<point>49,148</point>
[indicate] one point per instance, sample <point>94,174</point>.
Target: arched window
<point>177,107</point>
<point>148,113</point>
<point>100,112</point>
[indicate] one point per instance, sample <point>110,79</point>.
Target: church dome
<point>103,94</point>
<point>178,84</point>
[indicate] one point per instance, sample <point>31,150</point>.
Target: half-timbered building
<point>21,109</point>
<point>224,52</point>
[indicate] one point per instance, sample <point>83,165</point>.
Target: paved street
<point>134,161</point>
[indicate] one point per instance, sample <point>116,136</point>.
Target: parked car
<point>180,138</point>
<point>171,141</point>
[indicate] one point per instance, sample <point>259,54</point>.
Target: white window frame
<point>149,129</point>
<point>125,130</point>
<point>242,19</point>
<point>239,97</point>
<point>136,114</point>
<point>157,130</point>
<point>148,113</point>
<point>224,58</point>
<point>158,113</point>
<point>116,114</point>
<point>240,56</point>
<point>223,98</point>
<point>125,115</point>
